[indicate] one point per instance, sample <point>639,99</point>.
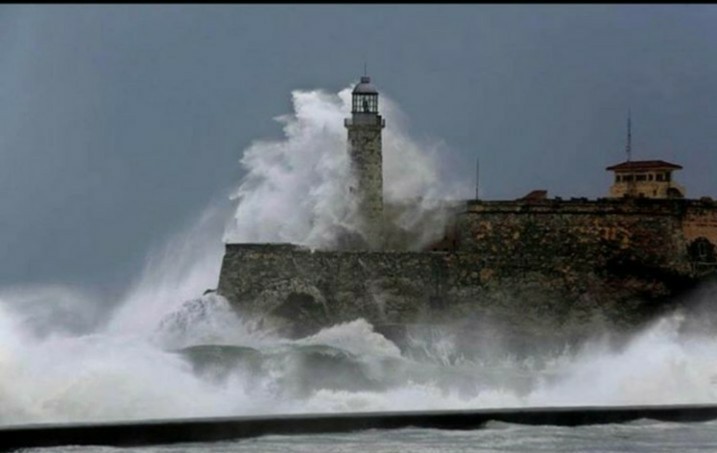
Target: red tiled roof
<point>644,165</point>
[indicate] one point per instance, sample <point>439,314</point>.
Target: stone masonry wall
<point>699,227</point>
<point>530,269</point>
<point>589,234</point>
<point>700,220</point>
<point>322,287</point>
<point>364,147</point>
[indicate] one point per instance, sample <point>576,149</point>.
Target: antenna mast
<point>628,151</point>
<point>477,176</point>
<point>628,146</point>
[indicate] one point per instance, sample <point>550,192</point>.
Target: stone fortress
<point>536,267</point>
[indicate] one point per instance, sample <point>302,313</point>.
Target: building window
<point>659,177</point>
<point>364,103</point>
<point>641,178</point>
<point>668,177</point>
<point>650,177</point>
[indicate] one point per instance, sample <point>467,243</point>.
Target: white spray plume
<point>59,373</point>
<point>120,372</point>
<point>52,374</point>
<point>186,266</point>
<point>296,189</point>
<point>48,310</point>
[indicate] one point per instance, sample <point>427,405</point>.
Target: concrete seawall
<point>217,429</point>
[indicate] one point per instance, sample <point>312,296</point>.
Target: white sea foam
<point>296,189</point>
<point>124,374</point>
<point>121,375</point>
<point>356,337</point>
<point>657,366</point>
<point>59,362</point>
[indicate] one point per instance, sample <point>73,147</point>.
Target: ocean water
<point>165,351</point>
<point>164,354</point>
<point>640,436</point>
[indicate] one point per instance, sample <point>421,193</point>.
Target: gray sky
<point>120,123</point>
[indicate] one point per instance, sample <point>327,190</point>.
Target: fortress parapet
<point>676,235</point>
<point>507,257</point>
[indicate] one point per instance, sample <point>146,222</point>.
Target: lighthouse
<point>365,155</point>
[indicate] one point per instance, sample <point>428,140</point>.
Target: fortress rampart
<point>669,234</point>
<point>511,262</point>
<point>591,233</point>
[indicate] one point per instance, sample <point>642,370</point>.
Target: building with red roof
<point>645,178</point>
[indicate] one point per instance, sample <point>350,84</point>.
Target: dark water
<point>640,436</point>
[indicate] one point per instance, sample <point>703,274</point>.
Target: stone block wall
<point>365,153</point>
<point>699,227</point>
<point>700,220</point>
<point>588,234</point>
<point>318,288</point>
<point>538,268</point>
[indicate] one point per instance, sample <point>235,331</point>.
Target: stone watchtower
<point>364,147</point>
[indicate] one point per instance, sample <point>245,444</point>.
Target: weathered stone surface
<point>364,148</point>
<point>548,269</point>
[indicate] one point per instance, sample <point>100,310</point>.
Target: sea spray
<point>657,366</point>
<point>356,337</point>
<point>294,189</point>
<point>116,370</point>
<point>208,320</point>
<point>297,189</point>
<point>182,269</point>
<point>169,351</point>
<point>46,310</point>
<point>112,375</point>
